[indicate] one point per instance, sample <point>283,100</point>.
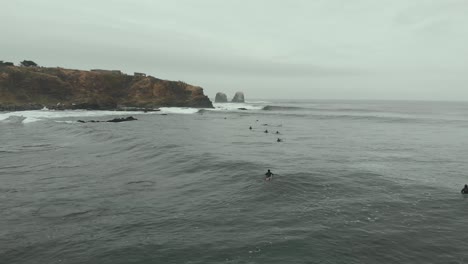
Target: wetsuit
<point>464,190</point>
<point>268,174</point>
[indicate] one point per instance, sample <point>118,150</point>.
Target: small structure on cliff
<point>139,74</point>
<point>221,98</point>
<point>238,98</point>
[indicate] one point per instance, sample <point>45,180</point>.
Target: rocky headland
<point>31,88</point>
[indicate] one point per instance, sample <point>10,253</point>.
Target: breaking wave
<point>14,119</point>
<point>56,115</point>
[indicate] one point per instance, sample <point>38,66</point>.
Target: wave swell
<point>281,108</point>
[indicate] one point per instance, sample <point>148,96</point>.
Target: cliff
<point>28,88</point>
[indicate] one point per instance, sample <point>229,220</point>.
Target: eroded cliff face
<point>27,88</point>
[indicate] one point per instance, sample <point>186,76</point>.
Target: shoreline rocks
<point>115,120</point>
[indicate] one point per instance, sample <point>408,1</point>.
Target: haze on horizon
<point>299,49</point>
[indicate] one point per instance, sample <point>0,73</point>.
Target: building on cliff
<point>139,74</point>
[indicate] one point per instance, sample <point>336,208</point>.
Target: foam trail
<point>235,106</point>
<point>38,115</point>
<point>178,110</point>
<point>13,119</point>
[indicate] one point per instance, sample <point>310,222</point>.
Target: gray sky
<point>296,49</point>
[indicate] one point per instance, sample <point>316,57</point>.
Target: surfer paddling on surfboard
<point>268,175</point>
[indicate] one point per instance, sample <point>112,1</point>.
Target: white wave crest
<point>13,119</point>
<point>43,114</point>
<point>235,106</point>
<point>178,110</point>
<point>40,115</point>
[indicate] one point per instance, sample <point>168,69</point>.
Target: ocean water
<point>355,182</point>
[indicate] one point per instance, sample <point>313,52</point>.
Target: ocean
<point>354,182</point>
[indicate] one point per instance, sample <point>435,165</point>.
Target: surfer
<point>268,175</point>
<point>278,140</point>
<point>277,132</point>
<point>465,189</point>
<point>266,131</point>
<point>250,127</point>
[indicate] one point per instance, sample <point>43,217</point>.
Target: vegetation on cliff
<point>26,88</point>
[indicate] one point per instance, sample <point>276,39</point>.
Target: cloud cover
<point>322,49</point>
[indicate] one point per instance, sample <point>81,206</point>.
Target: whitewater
<point>355,182</point>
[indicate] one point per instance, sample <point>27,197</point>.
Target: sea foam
<point>178,110</point>
<point>38,115</point>
<point>45,114</point>
<point>235,106</point>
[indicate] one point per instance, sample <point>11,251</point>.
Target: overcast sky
<point>307,49</point>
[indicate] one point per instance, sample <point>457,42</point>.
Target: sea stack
<point>238,98</point>
<point>221,98</point>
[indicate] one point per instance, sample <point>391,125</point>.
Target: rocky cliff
<point>27,88</point>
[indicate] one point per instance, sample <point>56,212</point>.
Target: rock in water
<point>115,120</point>
<point>238,98</point>
<point>221,98</point>
<point>118,120</point>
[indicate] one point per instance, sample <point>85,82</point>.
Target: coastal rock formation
<point>29,88</point>
<point>221,98</point>
<point>238,98</point>
<point>115,120</point>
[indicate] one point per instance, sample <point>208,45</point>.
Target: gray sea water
<point>355,182</point>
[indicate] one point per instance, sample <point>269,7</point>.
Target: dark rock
<point>221,98</point>
<point>238,98</point>
<point>115,120</point>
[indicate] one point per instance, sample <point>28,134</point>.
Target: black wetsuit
<point>464,190</point>
<point>268,174</point>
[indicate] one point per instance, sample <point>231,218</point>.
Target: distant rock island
<point>238,98</point>
<point>29,87</point>
<point>222,98</point>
